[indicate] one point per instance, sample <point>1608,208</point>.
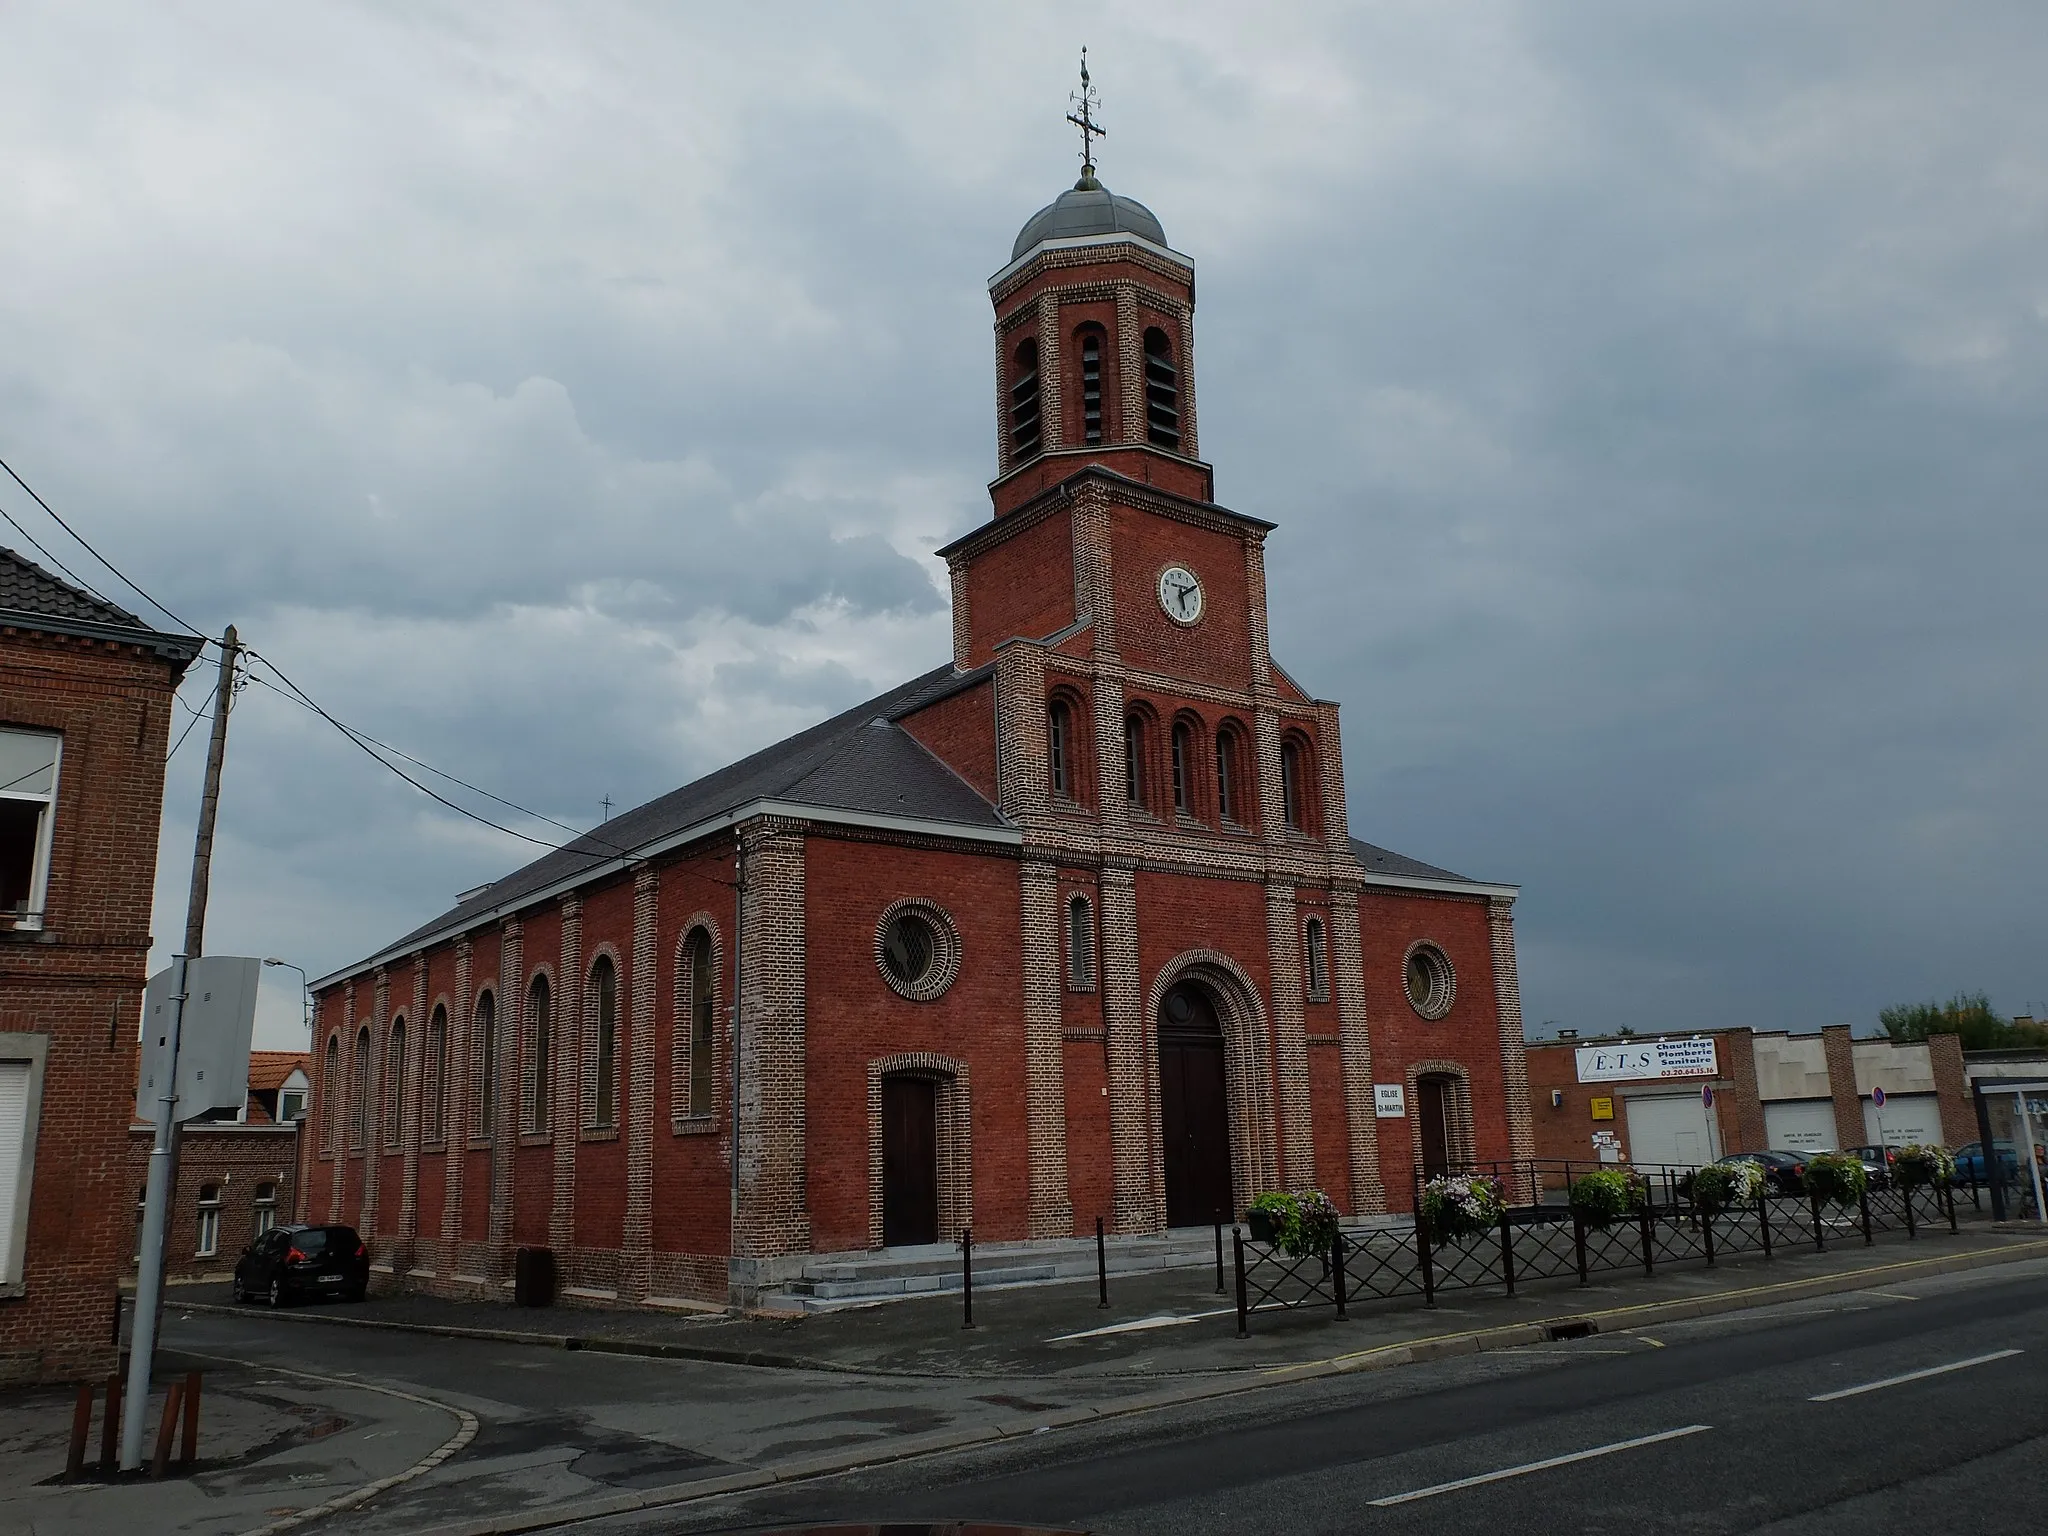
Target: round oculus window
<point>1429,980</point>
<point>917,949</point>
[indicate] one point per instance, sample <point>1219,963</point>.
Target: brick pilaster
<point>1255,615</point>
<point>373,1120</point>
<point>1052,419</point>
<point>1130,362</point>
<point>1952,1089</point>
<point>1190,440</point>
<point>1021,767</point>
<point>1738,1065</point>
<point>566,1062</point>
<point>406,1254</point>
<point>340,1109</point>
<point>1130,1073</point>
<point>1272,789</point>
<point>773,1216</point>
<point>1290,1038</point>
<point>505,1113</point>
<point>1347,971</point>
<point>1045,1072</point>
<point>455,1096</point>
<point>639,1090</point>
<point>1507,1001</point>
<point>1841,1057</point>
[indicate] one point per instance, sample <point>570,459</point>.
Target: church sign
<point>1639,1060</point>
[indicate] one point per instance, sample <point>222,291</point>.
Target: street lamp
<point>305,994</point>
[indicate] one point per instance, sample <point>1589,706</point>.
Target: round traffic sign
<point>1877,1097</point>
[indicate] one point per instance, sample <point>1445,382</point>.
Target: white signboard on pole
<point>1389,1101</point>
<point>213,1041</point>
<point>1639,1060</point>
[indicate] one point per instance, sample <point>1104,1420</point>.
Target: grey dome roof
<point>1088,208</point>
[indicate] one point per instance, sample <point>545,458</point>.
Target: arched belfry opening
<point>1194,1107</point>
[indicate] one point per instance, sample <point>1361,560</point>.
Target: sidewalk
<point>1163,1324</point>
<point>274,1446</point>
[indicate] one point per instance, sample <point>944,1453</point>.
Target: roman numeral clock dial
<point>1180,594</point>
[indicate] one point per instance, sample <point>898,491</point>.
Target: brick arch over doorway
<point>1248,1081</point>
<point>949,1078</point>
<point>1458,1135</point>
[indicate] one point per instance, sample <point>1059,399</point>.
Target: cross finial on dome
<point>1082,117</point>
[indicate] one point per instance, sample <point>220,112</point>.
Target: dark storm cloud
<point>1649,400</point>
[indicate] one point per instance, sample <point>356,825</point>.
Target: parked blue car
<point>1970,1161</point>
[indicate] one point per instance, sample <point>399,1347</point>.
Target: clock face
<point>1180,594</point>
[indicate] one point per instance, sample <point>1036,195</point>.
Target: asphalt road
<point>1746,1423</point>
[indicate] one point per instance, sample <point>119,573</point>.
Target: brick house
<point>1070,926</point>
<point>237,1173</point>
<point>85,709</point>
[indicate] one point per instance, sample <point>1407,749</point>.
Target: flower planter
<point>1260,1227</point>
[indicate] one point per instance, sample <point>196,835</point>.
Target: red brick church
<point>1071,925</point>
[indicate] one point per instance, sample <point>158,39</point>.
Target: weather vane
<point>1085,101</point>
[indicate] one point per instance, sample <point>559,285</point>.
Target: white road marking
<point>1932,1370</point>
<point>1538,1466</point>
<point>1142,1325</point>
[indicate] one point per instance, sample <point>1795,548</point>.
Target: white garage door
<point>1906,1118</point>
<point>1672,1131</point>
<point>1801,1125</point>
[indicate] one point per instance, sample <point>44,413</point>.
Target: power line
<point>39,549</point>
<point>196,718</point>
<point>186,625</point>
<point>299,695</point>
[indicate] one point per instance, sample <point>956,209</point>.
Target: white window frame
<point>263,1212</point>
<point>209,1224</point>
<point>29,919</point>
<point>35,1050</point>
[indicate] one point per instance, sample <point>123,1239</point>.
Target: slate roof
<point>1384,861</point>
<point>857,761</point>
<point>27,589</point>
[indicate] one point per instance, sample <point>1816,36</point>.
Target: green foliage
<point>1607,1195</point>
<point>1722,1186</point>
<point>1918,1166</point>
<point>1462,1205</point>
<point>1835,1178</point>
<point>1301,1226</point>
<point>1968,1014</point>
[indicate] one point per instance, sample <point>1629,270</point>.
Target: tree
<point>1968,1014</point>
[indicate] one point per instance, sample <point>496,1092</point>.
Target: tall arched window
<point>394,1083</point>
<point>359,1111</point>
<point>1294,775</point>
<point>484,1062</point>
<point>1026,430</point>
<point>1229,763</point>
<point>1080,944</point>
<point>434,1076</point>
<point>1091,386</point>
<point>703,1016</point>
<point>1318,958</point>
<point>1183,767</point>
<point>1134,759</point>
<point>331,1088</point>
<point>540,1055</point>
<point>601,1065</point>
<point>1059,742</point>
<point>1162,391</point>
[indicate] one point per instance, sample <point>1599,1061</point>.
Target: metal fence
<point>1545,1239</point>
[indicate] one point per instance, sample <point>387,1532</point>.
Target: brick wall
<point>78,985</point>
<point>234,1160</point>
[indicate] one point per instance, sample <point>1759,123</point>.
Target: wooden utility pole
<point>209,799</point>
<point>162,1188</point>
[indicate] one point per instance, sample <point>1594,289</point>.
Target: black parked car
<point>288,1263</point>
<point>1877,1164</point>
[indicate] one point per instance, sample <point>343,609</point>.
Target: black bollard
<point>967,1276</point>
<point>1101,1266</point>
<point>1243,1310</point>
<point>1337,1270</point>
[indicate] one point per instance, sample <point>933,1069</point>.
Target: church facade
<point>1070,926</point>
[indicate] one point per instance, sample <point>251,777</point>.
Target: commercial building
<point>1687,1099</point>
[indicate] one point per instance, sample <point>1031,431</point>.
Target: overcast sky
<point>1650,400</point>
